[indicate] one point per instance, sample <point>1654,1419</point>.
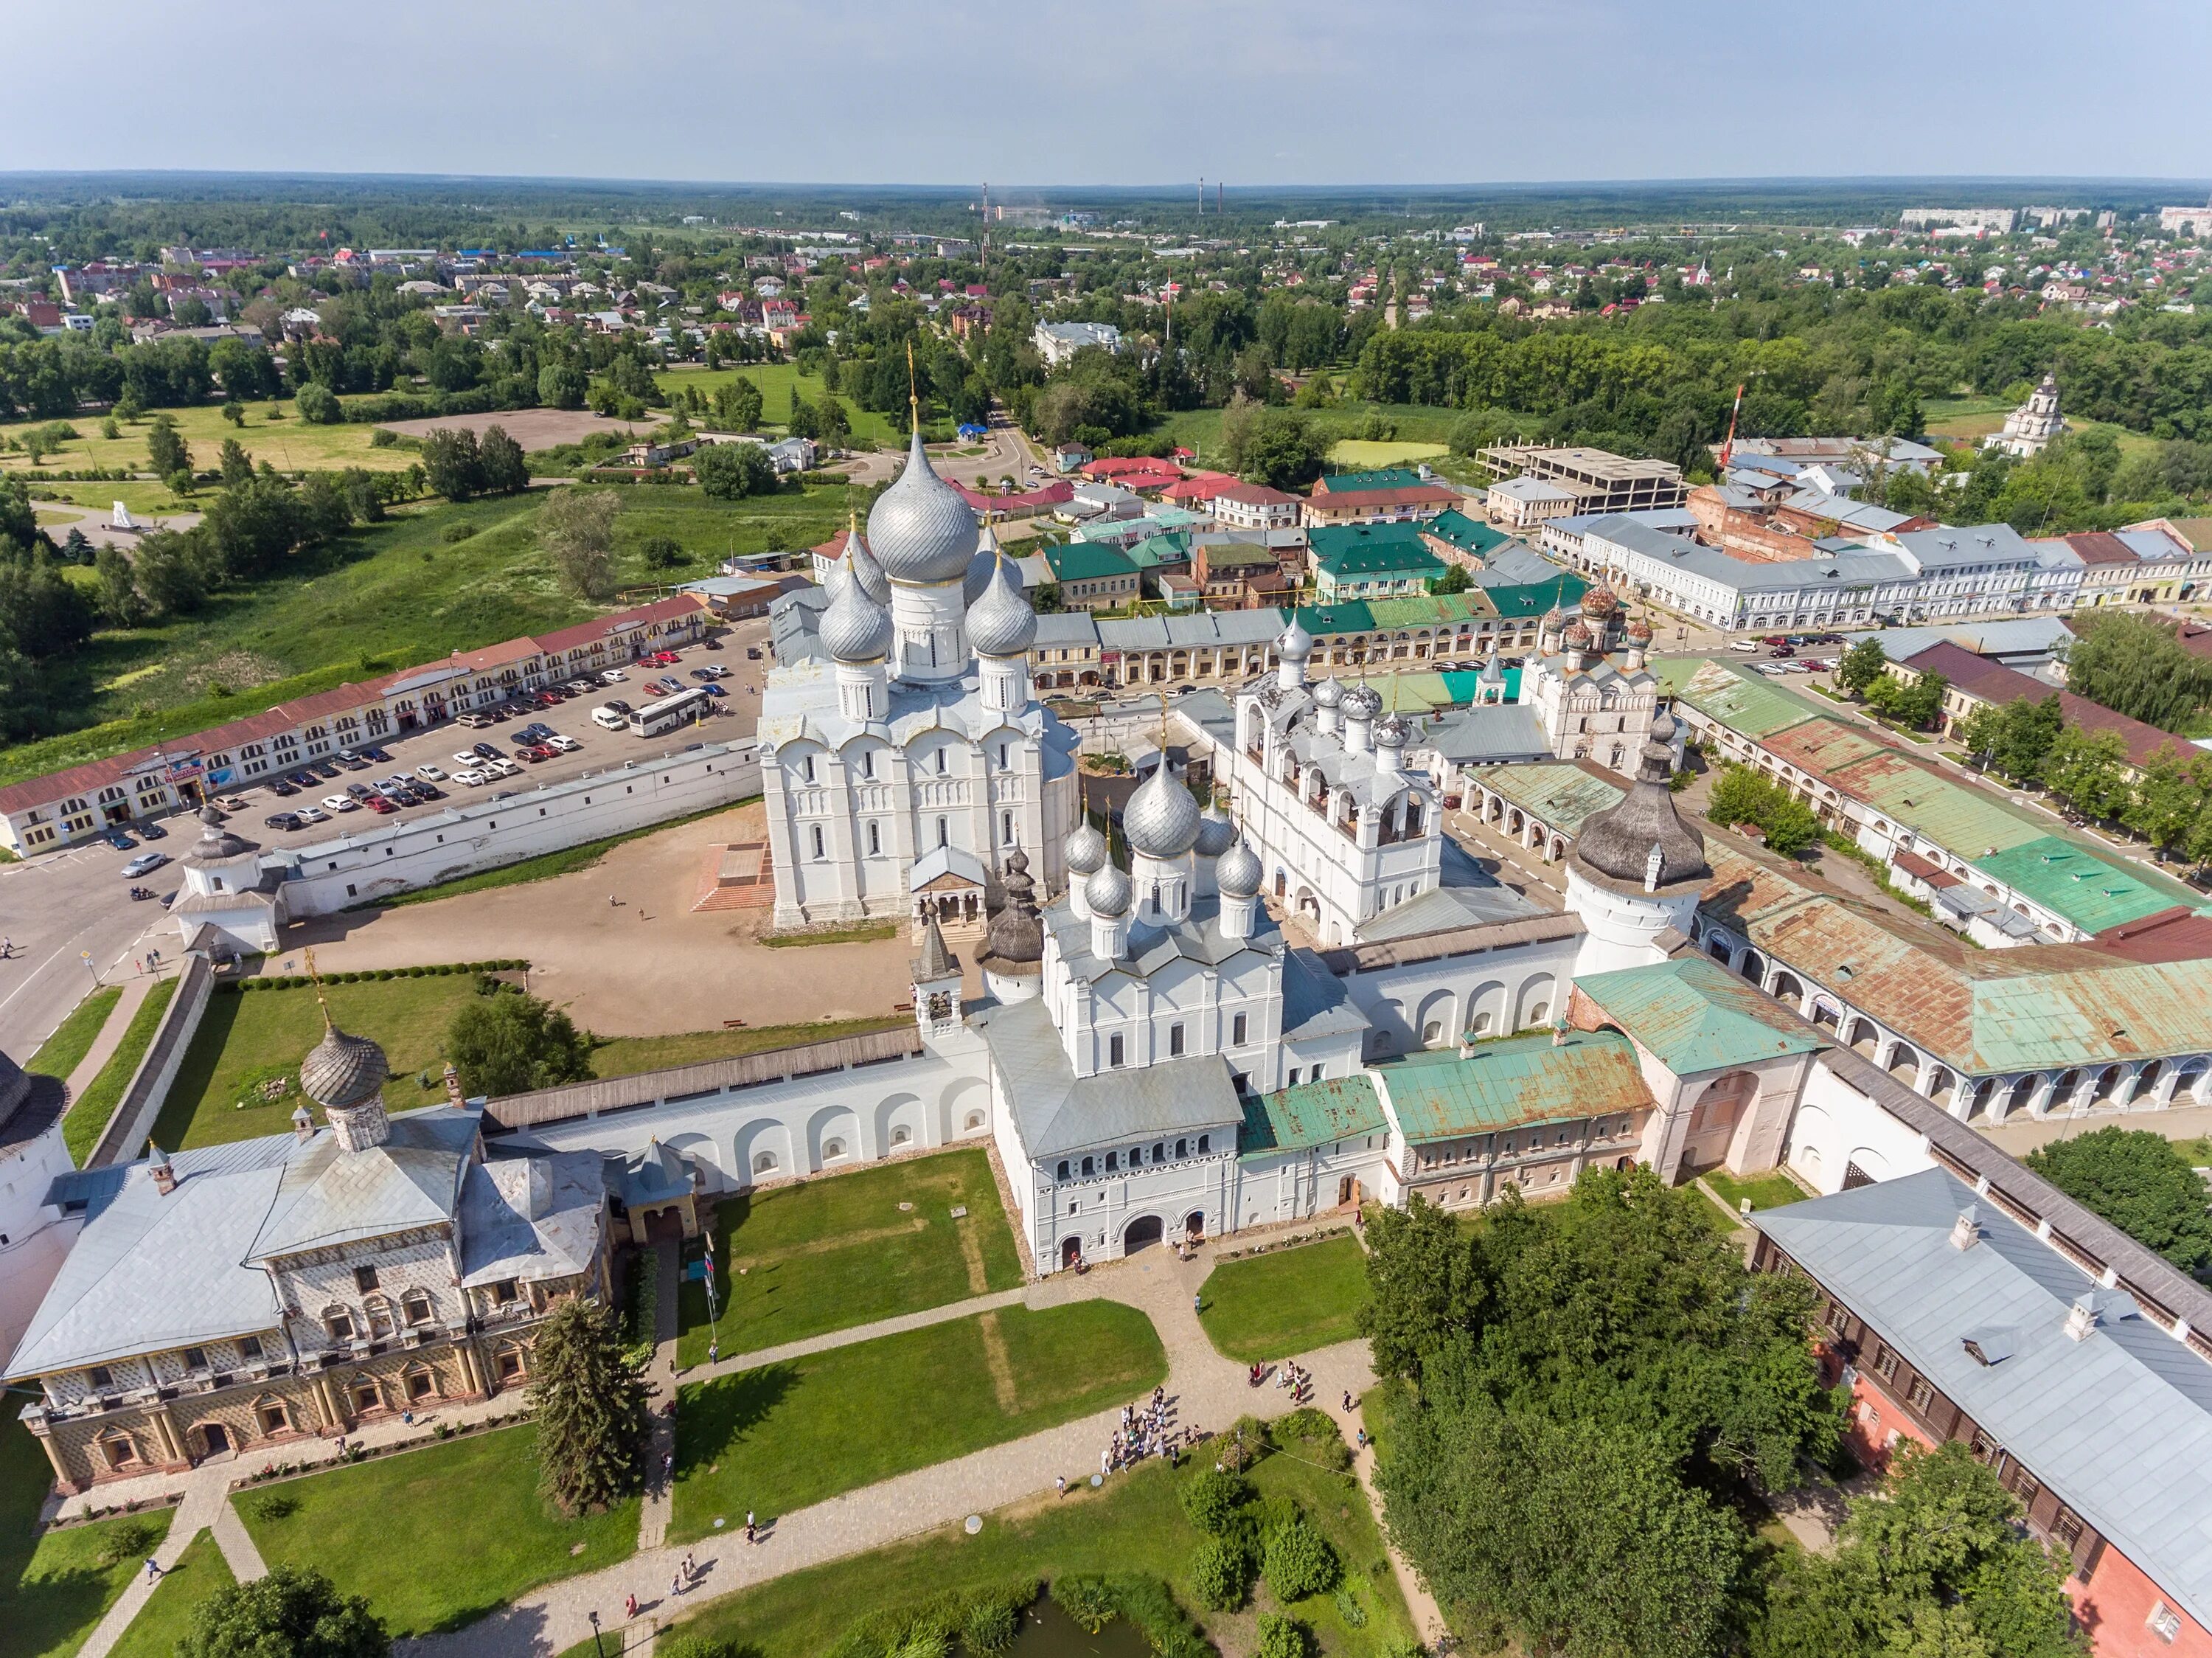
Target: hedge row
<point>435,970</point>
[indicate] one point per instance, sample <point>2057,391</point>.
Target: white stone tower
<point>1635,871</point>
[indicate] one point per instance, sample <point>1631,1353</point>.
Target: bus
<point>682,709</point>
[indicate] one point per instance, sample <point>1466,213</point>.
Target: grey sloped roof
<point>151,1271</point>
<point>1484,735</point>
<point>1444,909</point>
<point>1188,629</point>
<point>1512,565</point>
<point>326,1195</point>
<point>1059,1112</point>
<point>500,1237</point>
<point>1200,940</point>
<point>2119,1424</point>
<point>1066,628</point>
<point>1315,1002</point>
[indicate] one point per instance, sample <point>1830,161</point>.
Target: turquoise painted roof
<point>1310,1114</point>
<point>1522,1079</point>
<point>1156,550</point>
<point>1468,535</point>
<point>1081,561</point>
<point>1558,792</point>
<point>1535,598</point>
<point>1693,1015</point>
<point>1383,478</point>
<point>2092,891</point>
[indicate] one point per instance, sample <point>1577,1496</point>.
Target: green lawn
<point>248,1037</point>
<point>387,596</point>
<point>289,445</point>
<point>1765,1190</point>
<point>89,1112</point>
<point>1200,429</point>
<point>199,1573</point>
<point>829,1254</point>
<point>1135,1524</point>
<point>786,1435</point>
<point>775,381</point>
<point>54,1586</point>
<point>627,1056</point>
<point>1286,1301</point>
<point>64,1051</point>
<point>438,1537</point>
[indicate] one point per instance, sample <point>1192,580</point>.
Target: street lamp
<point>596,1646</point>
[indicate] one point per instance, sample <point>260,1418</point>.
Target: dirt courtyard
<point>533,428</point>
<point>645,965</point>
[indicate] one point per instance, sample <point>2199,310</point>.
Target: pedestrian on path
<point>690,1571</point>
<point>629,1606</point>
<point>1197,1301</point>
<point>152,1569</point>
<point>1062,1481</point>
<point>750,1526</point>
<point>1347,1401</point>
<point>676,1586</point>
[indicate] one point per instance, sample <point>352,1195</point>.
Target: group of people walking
<point>1146,1430</point>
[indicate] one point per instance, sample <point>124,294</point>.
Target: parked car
<point>282,787</point>
<point>232,803</point>
<point>120,841</point>
<point>752,653</point>
<point>469,777</point>
<point>381,806</point>
<point>144,864</point>
<point>562,744</point>
<point>150,830</point>
<point>342,803</point>
<point>488,751</point>
<point>531,752</point>
<point>359,791</point>
<point>1744,647</point>
<point>347,757</point>
<point>325,769</point>
<point>613,676</point>
<point>431,773</point>
<point>476,721</point>
<point>280,821</point>
<point>502,768</point>
<point>714,691</point>
<point>314,814</point>
<point>617,704</point>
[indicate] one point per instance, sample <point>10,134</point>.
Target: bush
<point>1298,1561</point>
<point>1349,1609</point>
<point>1318,1438</point>
<point>318,403</point>
<point>1086,1599</point>
<point>1221,1573</point>
<point>1212,1500</point>
<point>383,438</point>
<point>130,1539</point>
<point>692,1646</point>
<point>271,1505</point>
<point>1280,1637</point>
<point>458,532</point>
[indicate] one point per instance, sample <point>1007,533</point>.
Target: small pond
<point>1049,1633</point>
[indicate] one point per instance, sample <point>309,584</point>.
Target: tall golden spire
<point>322,1001</point>
<point>912,387</point>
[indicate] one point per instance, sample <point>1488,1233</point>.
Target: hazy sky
<point>1138,92</point>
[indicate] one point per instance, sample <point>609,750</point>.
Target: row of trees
<point>1589,1398</point>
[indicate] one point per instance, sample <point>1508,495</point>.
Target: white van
<point>608,719</point>
<point>1746,647</point>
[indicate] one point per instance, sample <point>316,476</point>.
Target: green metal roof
<point>1694,1015</point>
<point>1746,704</point>
<point>1386,557</point>
<point>1522,1079</point>
<point>1310,1114</point>
<point>1957,815</point>
<point>1409,610</point>
<point>1673,673</point>
<point>1382,478</point>
<point>1082,561</point>
<point>2092,891</point>
<point>1535,598</point>
<point>1328,541</point>
<point>1222,554</point>
<point>1154,551</point>
<point>1468,535</point>
<point>1559,792</point>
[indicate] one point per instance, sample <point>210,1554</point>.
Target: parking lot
<point>70,921</point>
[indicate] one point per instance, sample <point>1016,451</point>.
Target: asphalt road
<point>72,923</point>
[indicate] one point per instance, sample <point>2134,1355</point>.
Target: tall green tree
<point>578,529</point>
<point>1425,1286</point>
<point>294,1612</point>
<point>165,451</point>
<point>501,464</point>
<point>510,1043</point>
<point>2016,736</point>
<point>589,1404</point>
<point>2134,664</point>
<point>2141,1183</point>
<point>1861,665</point>
<point>2088,769</point>
<point>453,462</point>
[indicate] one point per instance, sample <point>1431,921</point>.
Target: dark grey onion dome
<point>1618,843</point>
<point>216,844</point>
<point>1161,818</point>
<point>1002,624</point>
<point>854,628</point>
<point>1296,644</point>
<point>870,574</point>
<point>1238,873</point>
<point>1663,727</point>
<point>920,529</point>
<point>1086,849</point>
<point>1362,702</point>
<point>1015,938</point>
<point>1392,733</point>
<point>1329,692</point>
<point>1215,832</point>
<point>1108,891</point>
<point>343,1070</point>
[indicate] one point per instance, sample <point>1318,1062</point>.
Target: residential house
<point>1093,576</point>
<point>1370,561</point>
<point>1238,505</point>
<point>1972,682</point>
<point>1392,494</point>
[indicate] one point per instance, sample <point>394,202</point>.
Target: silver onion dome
<point>1108,891</point>
<point>1329,692</point>
<point>1161,819</point>
<point>1296,644</point>
<point>920,529</point>
<point>1001,624</point>
<point>1392,733</point>
<point>869,573</point>
<point>343,1070</point>
<point>1086,849</point>
<point>977,581</point>
<point>854,627</point>
<point>1362,702</point>
<point>1237,875</point>
<point>1215,832</point>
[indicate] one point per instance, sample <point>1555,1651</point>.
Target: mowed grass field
<point>290,444</point>
<point>55,1586</point>
<point>829,1253</point>
<point>775,381</point>
<point>437,1536</point>
<point>387,596</point>
<point>1970,419</point>
<point>784,1435</point>
<point>1286,1301</point>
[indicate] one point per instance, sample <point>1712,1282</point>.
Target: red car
<point>381,806</point>
<point>666,658</point>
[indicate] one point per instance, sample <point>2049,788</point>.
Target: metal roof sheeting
<point>1694,1015</point>
<point>1521,1079</point>
<point>1311,1114</point>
